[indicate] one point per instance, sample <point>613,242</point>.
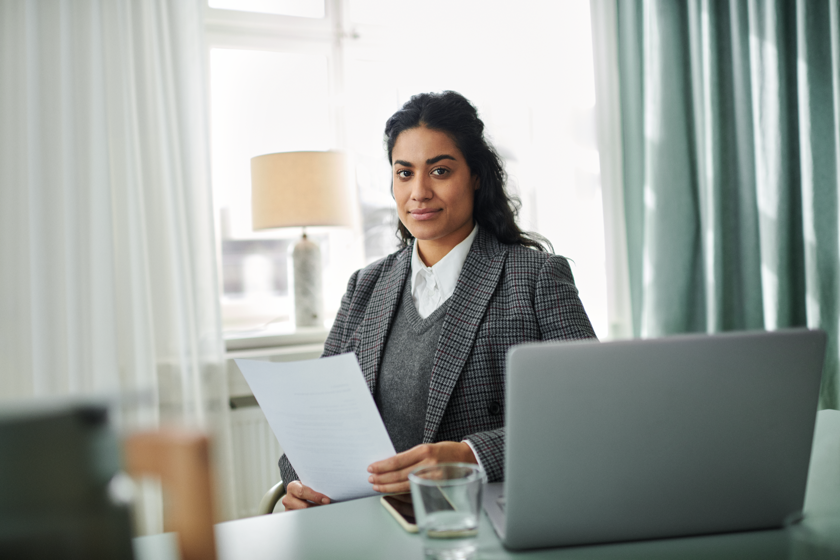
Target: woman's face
<point>434,190</point>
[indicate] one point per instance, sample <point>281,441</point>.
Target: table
<point>363,529</point>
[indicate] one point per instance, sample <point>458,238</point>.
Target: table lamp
<point>299,189</point>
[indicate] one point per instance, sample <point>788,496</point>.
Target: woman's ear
<point>476,182</point>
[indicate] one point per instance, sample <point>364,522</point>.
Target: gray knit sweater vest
<point>403,385</point>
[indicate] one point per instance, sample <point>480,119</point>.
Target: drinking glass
<point>447,502</point>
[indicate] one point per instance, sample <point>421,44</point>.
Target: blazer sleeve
<point>332,346</point>
<point>559,311</point>
<point>339,332</point>
<point>560,316</point>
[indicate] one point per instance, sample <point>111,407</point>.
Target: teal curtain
<point>731,137</point>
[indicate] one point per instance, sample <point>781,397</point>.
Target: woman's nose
<point>421,190</point>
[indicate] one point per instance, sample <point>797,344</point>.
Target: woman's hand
<point>299,496</point>
<point>391,475</point>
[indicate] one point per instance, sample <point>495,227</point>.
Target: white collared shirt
<point>433,285</point>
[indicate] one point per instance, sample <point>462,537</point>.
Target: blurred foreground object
<point>60,482</point>
<point>56,468</point>
<point>182,461</point>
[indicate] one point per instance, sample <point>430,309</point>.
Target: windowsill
<point>274,343</point>
<point>272,337</point>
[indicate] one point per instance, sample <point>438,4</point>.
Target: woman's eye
<point>440,171</point>
<point>403,173</point>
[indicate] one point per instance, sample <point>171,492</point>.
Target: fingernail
<point>370,469</point>
<point>325,500</point>
<point>370,479</point>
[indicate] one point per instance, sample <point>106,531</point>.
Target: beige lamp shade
<point>301,189</point>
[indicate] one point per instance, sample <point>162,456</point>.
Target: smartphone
<point>400,506</point>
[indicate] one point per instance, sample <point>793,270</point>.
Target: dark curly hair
<point>452,113</point>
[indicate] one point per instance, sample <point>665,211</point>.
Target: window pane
<point>261,102</point>
<point>377,12</point>
<point>299,8</point>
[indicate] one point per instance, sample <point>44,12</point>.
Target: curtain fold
<point>731,168</point>
<point>108,282</point>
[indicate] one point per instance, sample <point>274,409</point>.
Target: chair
<point>269,501</point>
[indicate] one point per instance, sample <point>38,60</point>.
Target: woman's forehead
<point>418,144</point>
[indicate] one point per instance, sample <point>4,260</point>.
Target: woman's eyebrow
<point>429,161</point>
<point>438,158</point>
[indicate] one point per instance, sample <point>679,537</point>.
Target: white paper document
<point>325,420</point>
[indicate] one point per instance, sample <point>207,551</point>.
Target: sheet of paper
<point>325,420</point>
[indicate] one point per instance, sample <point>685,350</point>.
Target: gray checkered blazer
<point>506,295</point>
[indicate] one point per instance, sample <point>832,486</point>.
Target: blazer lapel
<point>467,308</point>
<point>379,315</point>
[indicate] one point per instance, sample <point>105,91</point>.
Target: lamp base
<point>306,264</point>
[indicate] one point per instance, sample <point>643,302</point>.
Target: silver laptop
<point>644,439</point>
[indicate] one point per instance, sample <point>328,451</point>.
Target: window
<point>332,82</point>
<point>254,112</point>
<point>300,8</point>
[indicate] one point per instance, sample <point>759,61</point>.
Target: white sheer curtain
<point>610,150</point>
<point>108,282</point>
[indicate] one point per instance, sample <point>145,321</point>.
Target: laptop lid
<point>642,439</point>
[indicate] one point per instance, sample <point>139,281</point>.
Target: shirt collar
<point>446,270</point>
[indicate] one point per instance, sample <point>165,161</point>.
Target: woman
<point>431,323</point>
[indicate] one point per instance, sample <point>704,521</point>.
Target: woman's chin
<point>422,230</point>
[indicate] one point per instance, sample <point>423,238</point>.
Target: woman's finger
<point>394,471</point>
<point>394,476</point>
<point>304,493</point>
<point>393,488</point>
<point>290,502</point>
<point>401,460</point>
<point>311,495</point>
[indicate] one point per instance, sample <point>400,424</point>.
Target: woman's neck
<point>431,251</point>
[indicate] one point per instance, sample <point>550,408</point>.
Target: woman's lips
<point>424,213</point>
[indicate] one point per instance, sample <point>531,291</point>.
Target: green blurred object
<point>56,467</point>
